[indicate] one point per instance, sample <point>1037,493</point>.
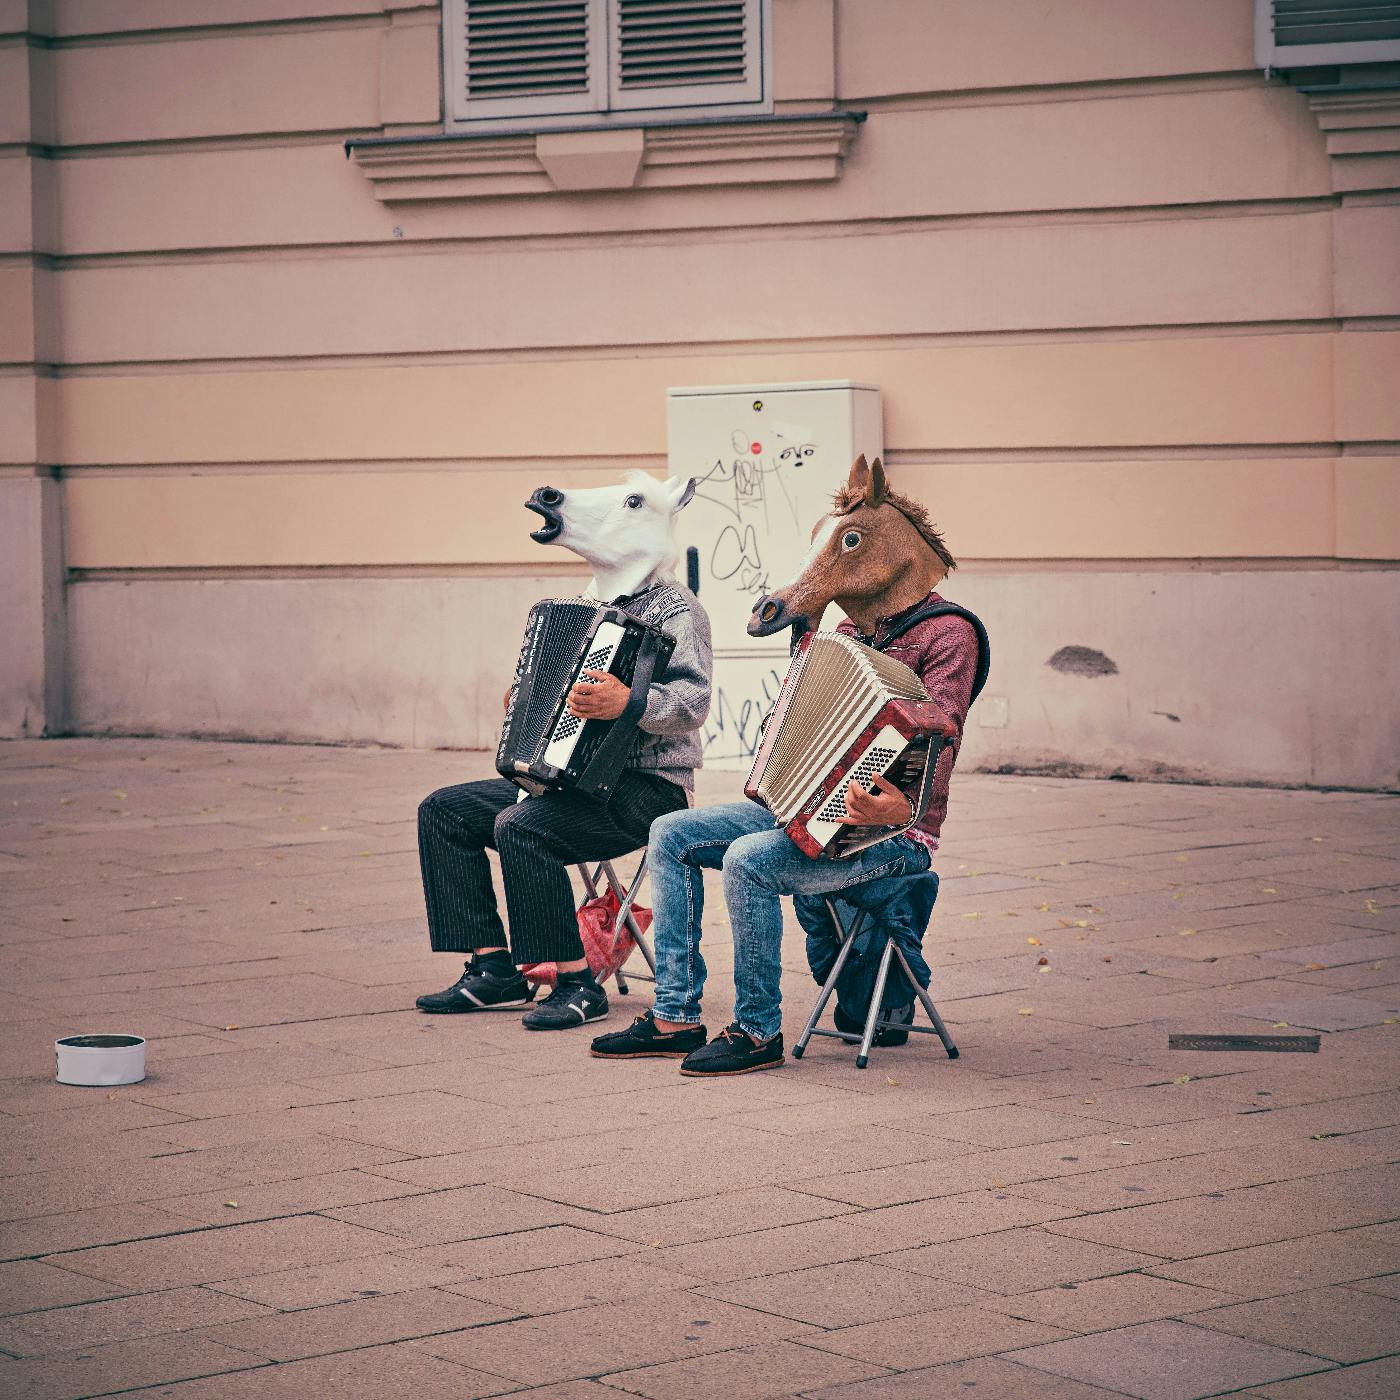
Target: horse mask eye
<point>633,502</point>
<point>850,540</point>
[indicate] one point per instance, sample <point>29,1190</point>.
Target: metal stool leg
<point>829,985</point>
<point>873,1016</point>
<point>922,994</point>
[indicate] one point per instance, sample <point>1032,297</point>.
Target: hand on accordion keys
<point>883,805</point>
<point>601,696</point>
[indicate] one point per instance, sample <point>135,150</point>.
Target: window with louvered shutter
<point>1321,33</point>
<point>560,62</point>
<point>683,53</point>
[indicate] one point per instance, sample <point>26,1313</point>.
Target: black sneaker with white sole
<point>576,999</point>
<point>641,1040</point>
<point>734,1051</point>
<point>481,987</point>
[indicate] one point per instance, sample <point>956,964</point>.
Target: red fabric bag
<point>605,955</point>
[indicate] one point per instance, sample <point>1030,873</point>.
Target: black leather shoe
<point>641,1040</point>
<point>900,1015</point>
<point>734,1051</point>
<point>481,989</point>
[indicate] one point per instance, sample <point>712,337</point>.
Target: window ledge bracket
<point>674,155</point>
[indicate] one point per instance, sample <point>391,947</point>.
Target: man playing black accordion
<point>625,533</point>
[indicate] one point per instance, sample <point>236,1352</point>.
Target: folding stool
<point>626,897</point>
<point>874,1021</point>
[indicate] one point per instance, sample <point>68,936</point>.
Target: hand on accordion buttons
<point>883,805</point>
<point>602,697</point>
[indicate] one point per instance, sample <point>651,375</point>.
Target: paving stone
<point>928,1339</point>
<point>1101,1304</point>
<point>401,1371</point>
<point>1310,1261</point>
<point>710,1217</point>
<point>1016,1261</point>
<point>84,1229</point>
<point>27,1285</point>
<point>991,1377</point>
<point>768,1371</point>
<point>521,1251</point>
<point>121,1319</point>
<point>1375,1380</point>
<point>612,1337</point>
<point>564,1286</point>
<point>366,1322</point>
<point>1167,1361</point>
<point>1341,1324</point>
<point>843,1295</point>
<point>319,1284</point>
<point>121,1366</point>
<point>1333,1013</point>
<point>464,1214</point>
<point>267,1200</point>
<point>208,1255</point>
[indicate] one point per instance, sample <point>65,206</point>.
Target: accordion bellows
<point>846,712</point>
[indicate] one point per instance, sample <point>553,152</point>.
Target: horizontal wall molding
<point>966,565</point>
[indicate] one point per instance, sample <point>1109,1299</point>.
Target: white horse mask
<point>626,532</point>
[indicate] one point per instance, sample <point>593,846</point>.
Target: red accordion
<point>846,712</point>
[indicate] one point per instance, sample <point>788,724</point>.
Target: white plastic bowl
<point>101,1059</point>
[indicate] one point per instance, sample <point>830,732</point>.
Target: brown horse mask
<point>876,554</point>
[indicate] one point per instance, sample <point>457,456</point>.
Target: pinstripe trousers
<point>537,840</point>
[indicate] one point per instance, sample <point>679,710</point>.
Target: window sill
<point>679,155</point>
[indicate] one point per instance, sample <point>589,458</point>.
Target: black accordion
<point>543,746</point>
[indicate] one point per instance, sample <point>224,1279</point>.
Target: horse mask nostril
<point>769,610</point>
<point>549,496</point>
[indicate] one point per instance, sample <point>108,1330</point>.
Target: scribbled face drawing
<point>613,527</point>
<point>869,548</point>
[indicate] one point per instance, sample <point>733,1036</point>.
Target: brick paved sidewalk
<point>319,1191</point>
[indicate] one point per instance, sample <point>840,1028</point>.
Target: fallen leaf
<point>1044,908</point>
<point>974,915</point>
<point>1280,1025</point>
<point>1269,889</point>
<point>1034,942</point>
<point>1086,1101</point>
<point>1317,967</point>
<point>230,1028</point>
<point>1108,960</point>
<point>1065,923</point>
<point>1187,932</point>
<point>1025,1011</point>
<point>893,1083</point>
<point>1043,961</point>
<point>1183,1079</point>
<point>231,1205</point>
<point>1389,1021</point>
<point>1180,860</point>
<point>1081,923</point>
<point>1117,1143</point>
<point>1046,968</point>
<point>1372,907</point>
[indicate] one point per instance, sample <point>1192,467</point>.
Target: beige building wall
<point>268,413</point>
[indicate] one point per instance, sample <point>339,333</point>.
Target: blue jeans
<point>760,865</point>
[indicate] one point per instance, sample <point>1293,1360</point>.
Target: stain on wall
<point>1082,661</point>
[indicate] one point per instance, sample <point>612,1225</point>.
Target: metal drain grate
<point>1299,1044</point>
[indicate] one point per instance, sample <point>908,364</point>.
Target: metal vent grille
<point>1297,22</point>
<point>673,42</point>
<point>526,48</point>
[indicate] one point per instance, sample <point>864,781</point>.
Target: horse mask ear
<point>679,490</point>
<point>866,483</point>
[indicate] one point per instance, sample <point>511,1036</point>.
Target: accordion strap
<point>984,646</point>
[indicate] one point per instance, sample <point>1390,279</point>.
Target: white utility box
<point>767,458</point>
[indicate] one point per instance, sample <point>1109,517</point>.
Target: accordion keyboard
<point>561,742</point>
